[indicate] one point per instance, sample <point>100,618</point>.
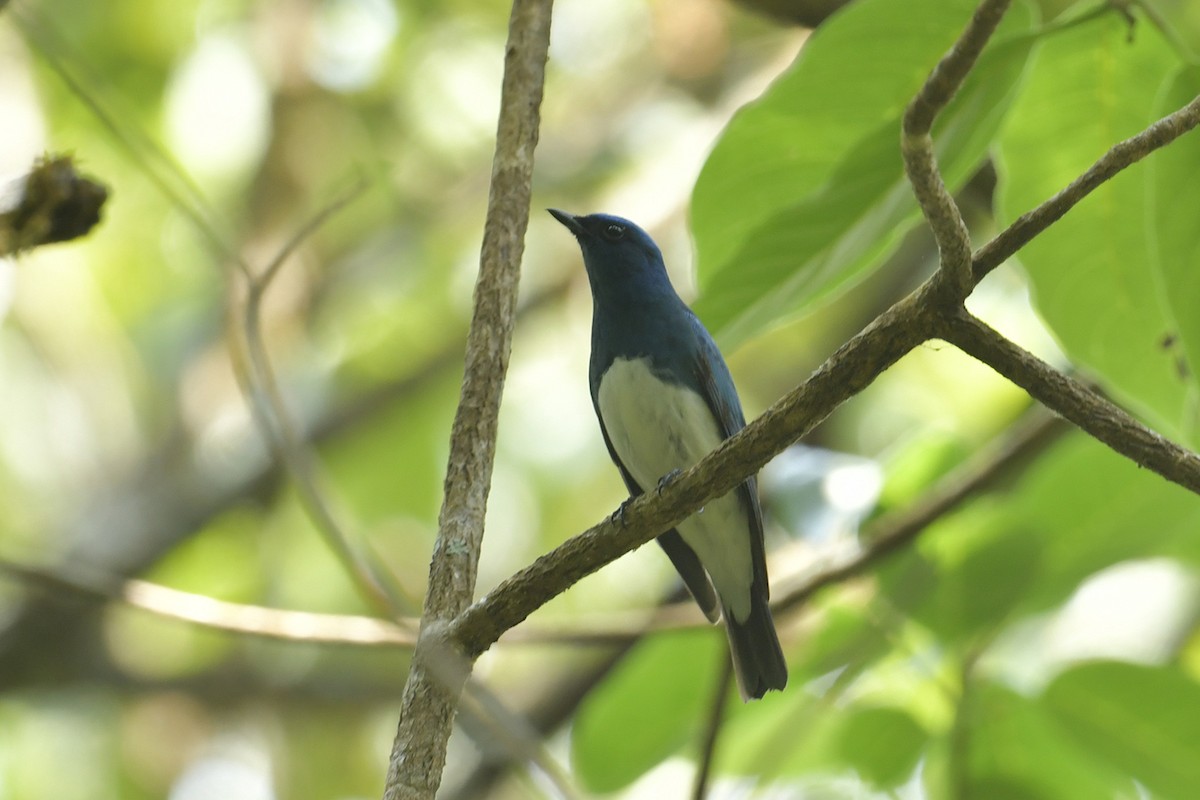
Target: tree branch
<point>1120,156</point>
<point>916,145</point>
<point>846,373</point>
<point>209,612</point>
<point>1088,410</point>
<point>427,712</point>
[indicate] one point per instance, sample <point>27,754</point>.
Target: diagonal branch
<point>916,145</point>
<point>427,712</point>
<point>1120,156</point>
<point>846,373</point>
<point>1091,412</point>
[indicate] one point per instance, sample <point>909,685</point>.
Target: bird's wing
<point>716,387</point>
<point>684,559</point>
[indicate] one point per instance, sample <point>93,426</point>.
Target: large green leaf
<point>805,192</point>
<point>1078,509</point>
<point>1174,197</point>
<point>1090,86</point>
<point>967,574</point>
<point>646,710</point>
<point>799,734</point>
<point>1015,751</point>
<point>882,744</point>
<point>1140,719</point>
<point>847,641</point>
<point>1089,508</point>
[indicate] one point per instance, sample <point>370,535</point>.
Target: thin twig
<point>488,714</point>
<point>1120,156</point>
<point>547,711</point>
<point>916,145</point>
<point>356,189</point>
<point>517,737</point>
<point>1072,400</point>
<point>260,386</point>
<point>427,712</point>
<point>257,375</point>
<point>712,728</point>
<point>1168,31</point>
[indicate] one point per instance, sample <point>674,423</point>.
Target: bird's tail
<point>757,658</point>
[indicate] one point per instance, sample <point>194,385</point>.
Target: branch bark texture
<point>1120,156</point>
<point>1074,401</point>
<point>916,145</point>
<point>434,685</point>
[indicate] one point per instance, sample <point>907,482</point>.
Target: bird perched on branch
<point>665,399</point>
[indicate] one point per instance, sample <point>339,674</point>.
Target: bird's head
<point>615,251</point>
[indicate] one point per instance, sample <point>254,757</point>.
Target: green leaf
<point>1077,509</point>
<point>785,733</point>
<point>968,576</point>
<point>1090,86</point>
<point>1140,719</point>
<point>882,744</point>
<point>846,639</point>
<point>1015,750</point>
<point>798,734</point>
<point>646,710</point>
<point>814,165</point>
<point>1089,508</point>
<point>1174,196</point>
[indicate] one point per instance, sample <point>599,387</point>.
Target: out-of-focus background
<point>128,450</point>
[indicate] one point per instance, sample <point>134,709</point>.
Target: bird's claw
<point>619,515</point>
<point>668,479</point>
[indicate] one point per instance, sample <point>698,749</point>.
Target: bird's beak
<point>569,220</point>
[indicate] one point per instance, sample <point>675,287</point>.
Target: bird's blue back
<point>636,313</point>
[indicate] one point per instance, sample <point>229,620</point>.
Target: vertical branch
<point>916,145</point>
<point>436,678</point>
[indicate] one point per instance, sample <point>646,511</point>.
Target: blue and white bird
<point>665,399</point>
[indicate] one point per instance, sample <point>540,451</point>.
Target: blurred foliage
<point>1039,641</point>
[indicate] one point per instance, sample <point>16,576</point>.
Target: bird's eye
<point>614,232</point>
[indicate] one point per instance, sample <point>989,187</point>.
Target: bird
<point>664,398</point>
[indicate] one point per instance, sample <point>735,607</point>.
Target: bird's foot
<point>668,479</point>
<point>619,515</point>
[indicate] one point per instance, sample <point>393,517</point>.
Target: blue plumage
<point>664,398</point>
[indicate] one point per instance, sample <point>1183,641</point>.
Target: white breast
<point>657,427</point>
